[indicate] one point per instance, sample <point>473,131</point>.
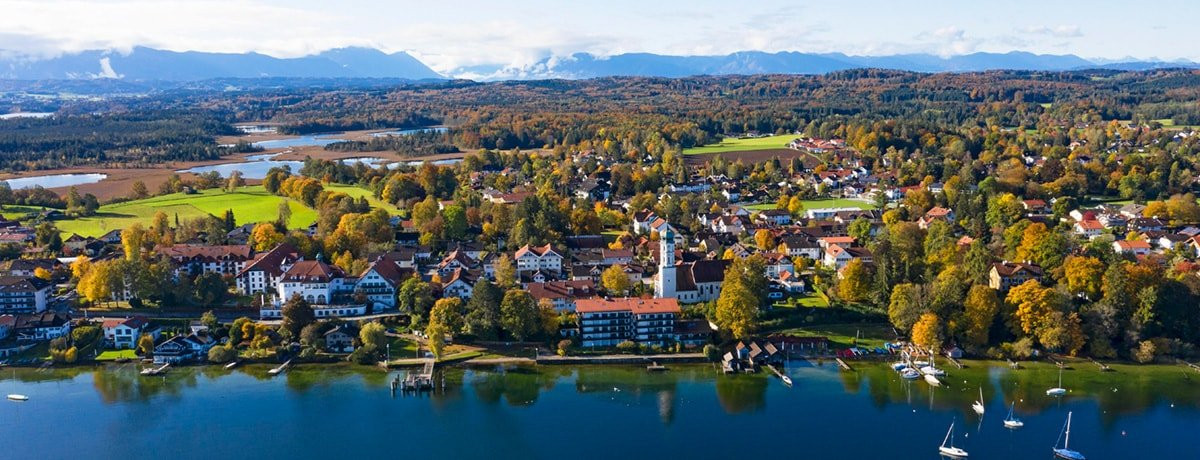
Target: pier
<point>1103,367</point>
<point>1193,366</point>
<point>843,365</point>
<point>416,382</point>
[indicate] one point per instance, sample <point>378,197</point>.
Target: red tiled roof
<point>636,305</point>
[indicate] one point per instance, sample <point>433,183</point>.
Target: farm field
<point>740,145</point>
<point>249,204</point>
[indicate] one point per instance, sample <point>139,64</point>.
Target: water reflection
<point>55,180</point>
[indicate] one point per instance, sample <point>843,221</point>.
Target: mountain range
<point>148,64</point>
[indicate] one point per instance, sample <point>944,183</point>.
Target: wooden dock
<point>955,362</point>
<point>843,365</point>
<point>1103,367</point>
<point>416,382</point>
<point>1193,366</point>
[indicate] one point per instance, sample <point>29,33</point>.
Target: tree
<point>42,273</point>
<point>519,314</point>
<point>372,335</point>
<point>905,307</point>
<point>737,309</point>
<point>454,220</point>
<point>415,297</point>
<point>133,239</point>
<point>145,345</point>
<point>221,354</point>
<point>856,281</point>
<point>506,271</point>
<point>234,182</point>
<point>1084,275</point>
<point>139,191</point>
<point>211,289</point>
<point>265,237</point>
<point>764,239</point>
<point>47,236</point>
<point>615,281</point>
<point>297,313</point>
<point>209,320</point>
<point>1033,305</point>
<point>283,214</point>
<point>437,338</point>
<point>236,330</point>
<point>449,313</point>
<point>927,332</point>
<point>860,229</point>
<point>981,305</point>
<point>483,310</point>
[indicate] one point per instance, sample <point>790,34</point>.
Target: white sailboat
<point>1058,390</point>
<point>910,373</point>
<point>932,369</point>
<point>978,405</point>
<point>930,379</point>
<point>17,397</point>
<point>950,450</point>
<point>1010,421</point>
<point>1065,452</point>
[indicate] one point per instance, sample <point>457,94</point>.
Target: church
<point>689,282</point>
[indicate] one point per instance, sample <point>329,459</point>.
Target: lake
<point>375,162</point>
<point>255,166</point>
<point>318,140</point>
<point>591,412</point>
<point>54,180</point>
<point>406,132</point>
<point>9,116</point>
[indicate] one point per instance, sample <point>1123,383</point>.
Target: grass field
<point>356,191</point>
<point>843,335</point>
<point>113,355</point>
<point>741,145</point>
<point>249,204</point>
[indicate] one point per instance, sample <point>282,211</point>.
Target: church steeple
<point>664,284</point>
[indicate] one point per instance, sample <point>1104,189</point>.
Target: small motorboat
<point>1065,451</point>
<point>1058,390</point>
<point>151,371</point>
<point>786,380</point>
<point>910,374</point>
<point>1010,421</point>
<point>949,450</point>
<point>17,397</point>
<point>899,366</point>
<point>978,405</point>
<point>920,364</point>
<point>231,365</point>
<point>281,368</point>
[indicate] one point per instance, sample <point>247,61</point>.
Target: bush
<point>628,346</point>
<point>221,354</point>
<point>712,352</point>
<point>563,346</point>
<point>1145,352</point>
<point>366,354</point>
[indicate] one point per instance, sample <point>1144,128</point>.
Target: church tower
<point>664,285</point>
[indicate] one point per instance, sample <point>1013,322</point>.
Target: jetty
<point>1193,366</point>
<point>843,365</point>
<point>281,368</point>
<point>955,362</point>
<point>1103,367</point>
<point>656,367</point>
<point>786,380</point>
<point>418,382</point>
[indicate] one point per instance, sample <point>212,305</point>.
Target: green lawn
<point>356,192</point>
<point>17,212</point>
<point>249,204</point>
<point>113,355</point>
<point>843,335</point>
<point>742,145</point>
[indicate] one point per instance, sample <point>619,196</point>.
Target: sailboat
<point>978,406</point>
<point>950,450</point>
<point>1065,452</point>
<point>910,373</point>
<point>1058,390</point>
<point>932,369</point>
<point>1010,421</point>
<point>17,396</point>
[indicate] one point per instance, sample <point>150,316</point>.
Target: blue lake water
<point>255,166</point>
<point>9,116</point>
<point>587,412</point>
<point>54,180</point>
<point>405,132</point>
<point>318,140</point>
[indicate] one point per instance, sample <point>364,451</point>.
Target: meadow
<point>249,204</point>
<point>740,145</point>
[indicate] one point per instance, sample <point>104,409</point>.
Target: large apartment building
<point>608,322</point>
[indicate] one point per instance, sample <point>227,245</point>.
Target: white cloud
<point>1059,31</point>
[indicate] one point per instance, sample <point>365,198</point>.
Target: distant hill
<point>151,64</point>
<point>582,65</point>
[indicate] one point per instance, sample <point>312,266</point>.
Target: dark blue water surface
<point>589,412</point>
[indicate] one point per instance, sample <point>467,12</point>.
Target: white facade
<point>664,284</point>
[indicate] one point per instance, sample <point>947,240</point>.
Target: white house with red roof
<point>538,258</point>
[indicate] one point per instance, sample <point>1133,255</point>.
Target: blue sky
<point>450,34</point>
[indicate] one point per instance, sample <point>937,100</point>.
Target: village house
<point>687,282</point>
<point>123,333</point>
<point>1006,275</point>
<point>936,214</point>
<point>340,339</point>
<point>608,322</point>
<point>837,256</point>
<point>1090,229</point>
<point>538,258</point>
<point>46,325</point>
<point>1132,247</point>
<point>380,282</point>
<point>461,284</point>
<point>183,348</point>
<point>562,294</point>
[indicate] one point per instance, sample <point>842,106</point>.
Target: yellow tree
<point>764,239</point>
<point>927,332</point>
<point>506,271</point>
<point>132,240</point>
<point>615,281</point>
<point>737,310</point>
<point>80,266</point>
<point>855,284</point>
<point>42,273</point>
<point>1034,303</point>
<point>1084,275</point>
<point>981,307</point>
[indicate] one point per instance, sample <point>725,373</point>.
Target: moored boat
<point>17,397</point>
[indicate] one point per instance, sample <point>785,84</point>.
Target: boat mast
<point>948,433</point>
<point>1067,441</point>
